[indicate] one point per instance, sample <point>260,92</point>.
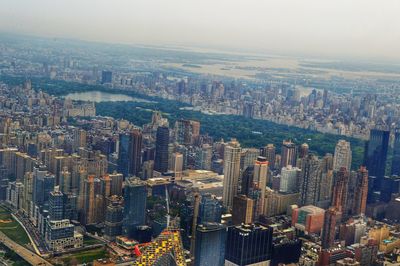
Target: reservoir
<point>99,96</point>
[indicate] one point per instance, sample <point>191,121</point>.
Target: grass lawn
<point>87,241</point>
<point>12,229</point>
<point>85,256</point>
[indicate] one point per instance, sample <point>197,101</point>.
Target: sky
<point>335,28</point>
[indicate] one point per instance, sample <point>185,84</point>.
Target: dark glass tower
<point>43,184</point>
<point>210,210</point>
<point>135,152</point>
<point>162,141</point>
<point>396,153</point>
<point>135,206</point>
<point>56,205</point>
<point>210,244</point>
<point>248,244</point>
<point>123,155</point>
<point>376,154</point>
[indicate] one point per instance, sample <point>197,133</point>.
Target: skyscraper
<point>288,154</point>
<point>269,152</point>
<point>56,204</point>
<point>340,188</point>
<point>135,206</point>
<point>309,180</point>
<point>243,210</point>
<point>177,165</point>
<point>210,210</point>
<point>123,154</point>
<point>161,157</point>
<point>259,184</point>
<point>231,172</point>
<point>376,154</point>
<point>288,181</point>
<point>43,184</point>
<point>135,152</point>
<point>342,157</point>
<point>248,245</point>
<point>210,244</point>
<point>396,153</point>
<point>106,77</point>
<point>303,152</point>
<point>329,229</point>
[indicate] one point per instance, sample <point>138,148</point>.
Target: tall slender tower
<point>396,153</point>
<point>260,182</point>
<point>309,180</point>
<point>360,192</point>
<point>135,152</point>
<point>289,154</point>
<point>376,154</point>
<point>162,141</point>
<point>269,152</point>
<point>342,157</point>
<point>231,172</point>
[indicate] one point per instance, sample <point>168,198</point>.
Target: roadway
<point>24,253</point>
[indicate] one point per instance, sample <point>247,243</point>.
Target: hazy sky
<point>359,28</point>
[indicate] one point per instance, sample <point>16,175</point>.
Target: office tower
<point>231,172</point>
<point>116,184</point>
<point>247,157</point>
<point>309,180</point>
<point>332,215</point>
<point>210,210</point>
<point>357,192</point>
<point>43,184</point>
<point>195,131</point>
<point>114,218</point>
<point>342,157</point>
<point>135,152</point>
<point>89,200</point>
<point>147,170</point>
<point>210,244</point>
<point>340,189</point>
<point>269,152</point>
<point>106,77</point>
<point>260,183</point>
<point>177,165</point>
<point>248,245</point>
<point>65,181</point>
<point>203,157</point>
<point>376,154</point>
<point>288,153</point>
<point>288,181</point>
<point>396,153</point>
<point>135,194</point>
<point>80,136</point>
<point>186,131</point>
<point>308,219</point>
<point>303,151</point>
<point>247,181</point>
<point>242,211</point>
<point>129,157</point>
<point>161,157</point>
<point>389,186</point>
<point>56,204</point>
<point>3,182</point>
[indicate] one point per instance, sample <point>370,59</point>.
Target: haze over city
<point>368,29</point>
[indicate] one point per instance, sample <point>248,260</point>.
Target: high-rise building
<point>114,218</point>
<point>210,244</point>
<point>242,211</point>
<point>106,77</point>
<point>161,157</point>
<point>203,157</point>
<point>186,131</point>
<point>340,189</point>
<point>43,184</point>
<point>303,151</point>
<point>177,165</point>
<point>129,157</point>
<point>288,153</point>
<point>329,229</point>
<point>259,185</point>
<point>396,153</point>
<point>56,204</point>
<point>288,180</point>
<point>210,210</point>
<point>231,172</point>
<point>248,245</point>
<point>247,181</point>
<point>309,180</point>
<point>342,157</point>
<point>269,152</point>
<point>134,206</point>
<point>376,154</point>
<point>357,192</point>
